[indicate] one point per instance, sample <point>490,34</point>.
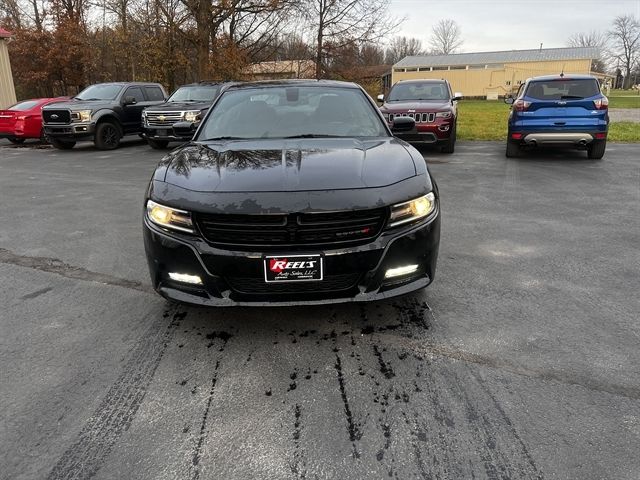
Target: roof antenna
<point>562,72</point>
<point>540,47</point>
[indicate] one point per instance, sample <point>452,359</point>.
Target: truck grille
<point>332,230</point>
<point>163,119</point>
<point>257,286</point>
<point>56,116</point>
<point>418,117</point>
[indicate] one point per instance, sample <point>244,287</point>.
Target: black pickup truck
<point>178,118</point>
<point>104,112</point>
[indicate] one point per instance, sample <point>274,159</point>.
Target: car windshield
<point>194,94</point>
<point>99,92</point>
<point>418,91</point>
<point>23,106</point>
<point>563,89</point>
<point>292,111</point>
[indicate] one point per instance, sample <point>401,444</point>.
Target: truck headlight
<point>412,210</point>
<point>82,115</point>
<point>193,116</point>
<point>169,217</point>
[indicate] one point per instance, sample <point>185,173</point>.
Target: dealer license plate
<point>293,268</point>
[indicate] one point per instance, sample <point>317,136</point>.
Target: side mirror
<point>457,96</point>
<point>403,124</point>
<point>381,98</point>
<point>508,100</point>
<point>129,100</point>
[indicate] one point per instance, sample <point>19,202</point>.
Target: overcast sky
<point>489,25</point>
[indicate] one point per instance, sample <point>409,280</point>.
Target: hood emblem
<point>54,116</point>
<point>162,118</point>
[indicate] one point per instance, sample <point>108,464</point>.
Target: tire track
<point>114,415</point>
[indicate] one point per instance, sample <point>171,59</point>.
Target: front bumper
<point>169,133</point>
<point>354,274</point>
<point>70,131</point>
<point>428,134</point>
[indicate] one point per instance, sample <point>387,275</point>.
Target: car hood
<point>288,165</point>
<point>416,105</point>
<point>79,105</point>
<point>179,106</point>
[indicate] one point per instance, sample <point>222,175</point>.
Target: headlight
<point>412,210</point>
<point>443,114</point>
<point>82,115</point>
<point>169,217</point>
<point>192,116</point>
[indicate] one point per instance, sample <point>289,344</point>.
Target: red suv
<point>433,107</point>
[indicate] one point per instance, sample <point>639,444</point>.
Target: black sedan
<point>292,192</point>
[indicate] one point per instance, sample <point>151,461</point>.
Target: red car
<point>433,107</point>
<point>24,119</point>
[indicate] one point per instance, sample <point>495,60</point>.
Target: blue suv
<point>559,110</point>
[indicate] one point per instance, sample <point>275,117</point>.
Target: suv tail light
<point>521,105</point>
<point>601,103</point>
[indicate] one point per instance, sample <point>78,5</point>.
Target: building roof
<point>4,33</point>
<point>506,56</point>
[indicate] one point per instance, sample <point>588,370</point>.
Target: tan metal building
<point>7,89</point>
<point>493,74</point>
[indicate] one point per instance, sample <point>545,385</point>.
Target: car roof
<point>125,83</point>
<point>566,76</point>
<point>424,80</point>
<point>293,82</point>
<point>203,84</point>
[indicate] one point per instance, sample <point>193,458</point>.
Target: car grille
<point>163,119</point>
<point>257,286</point>
<point>56,116</point>
<point>418,117</point>
<point>334,229</point>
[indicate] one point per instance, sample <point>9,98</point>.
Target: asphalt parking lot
<point>521,360</point>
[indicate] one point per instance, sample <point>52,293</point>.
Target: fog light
<point>398,272</point>
<point>185,278</point>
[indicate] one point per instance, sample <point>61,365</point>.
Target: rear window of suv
<point>563,89</point>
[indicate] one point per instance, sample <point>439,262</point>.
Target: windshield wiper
<point>314,135</point>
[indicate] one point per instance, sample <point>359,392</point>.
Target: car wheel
<point>158,144</point>
<point>107,136</point>
<point>513,149</point>
<point>43,137</point>
<point>62,144</point>
<point>16,140</point>
<point>595,151</point>
<point>450,146</point>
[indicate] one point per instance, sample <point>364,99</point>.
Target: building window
<point>398,70</point>
<point>424,69</point>
<point>440,68</point>
<point>414,69</point>
<point>508,82</point>
<point>458,67</point>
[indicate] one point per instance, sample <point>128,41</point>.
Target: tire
<point>158,144</point>
<point>450,146</point>
<point>107,136</point>
<point>16,140</point>
<point>62,144</point>
<point>513,149</point>
<point>595,151</point>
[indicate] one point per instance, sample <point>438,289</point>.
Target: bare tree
<point>401,47</point>
<point>339,23</point>
<point>593,39</point>
<point>446,37</point>
<point>625,44</point>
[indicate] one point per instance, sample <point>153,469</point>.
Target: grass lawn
<point>624,99</point>
<point>487,120</point>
